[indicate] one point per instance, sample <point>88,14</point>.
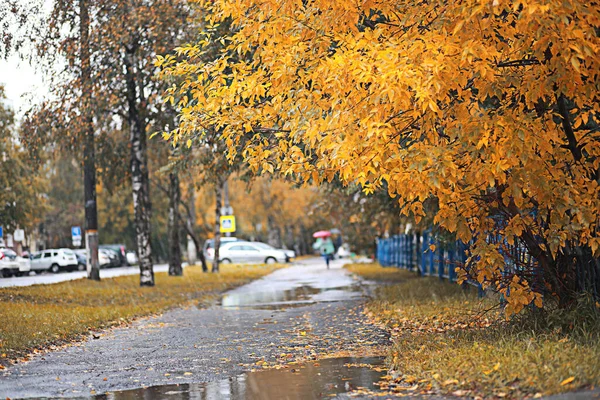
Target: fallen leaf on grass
<point>567,381</point>
<point>460,393</point>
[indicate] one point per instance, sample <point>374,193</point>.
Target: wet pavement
<point>265,340</point>
<point>313,381</point>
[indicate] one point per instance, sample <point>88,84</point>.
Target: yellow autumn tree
<point>490,107</point>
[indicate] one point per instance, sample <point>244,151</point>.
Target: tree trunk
<point>192,234</point>
<point>217,240</point>
<point>139,172</point>
<point>89,157</point>
<point>192,245</point>
<point>174,247</point>
<point>274,234</point>
<point>190,223</point>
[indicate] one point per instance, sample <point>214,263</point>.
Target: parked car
<point>24,265</point>
<point>289,254</point>
<point>209,246</point>
<point>81,260</point>
<point>54,260</point>
<point>8,263</point>
<point>248,252</point>
<point>12,264</point>
<point>120,250</point>
<point>104,259</point>
<point>114,260</point>
<point>131,258</point>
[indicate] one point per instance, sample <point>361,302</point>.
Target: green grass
<point>43,315</point>
<point>446,340</point>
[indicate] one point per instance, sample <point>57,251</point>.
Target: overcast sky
<point>23,85</point>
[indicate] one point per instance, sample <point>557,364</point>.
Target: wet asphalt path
<point>298,313</point>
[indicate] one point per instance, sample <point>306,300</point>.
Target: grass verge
<point>40,316</point>
<point>446,340</point>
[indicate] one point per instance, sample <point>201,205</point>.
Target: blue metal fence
<point>423,253</point>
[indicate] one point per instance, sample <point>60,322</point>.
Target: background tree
<point>125,38</point>
<point>490,109</point>
<point>21,200</point>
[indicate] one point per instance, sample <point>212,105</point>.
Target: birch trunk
<point>175,268</point>
<point>139,172</point>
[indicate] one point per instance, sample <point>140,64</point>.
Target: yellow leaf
<point>567,381</point>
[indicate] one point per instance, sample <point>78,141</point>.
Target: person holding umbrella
<point>325,245</point>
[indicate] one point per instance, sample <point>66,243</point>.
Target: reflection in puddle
<point>329,378</point>
<point>295,297</point>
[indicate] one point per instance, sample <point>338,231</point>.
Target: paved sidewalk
<point>301,311</point>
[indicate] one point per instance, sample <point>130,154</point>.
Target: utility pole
<point>89,157</point>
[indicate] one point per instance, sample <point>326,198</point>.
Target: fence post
<point>410,238</point>
<point>441,262</point>
<point>422,250</point>
<point>396,251</point>
<point>405,248</point>
<point>398,262</point>
<point>451,274</point>
<point>431,258</point>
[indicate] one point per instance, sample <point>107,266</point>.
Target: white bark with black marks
<point>175,268</point>
<point>139,171</point>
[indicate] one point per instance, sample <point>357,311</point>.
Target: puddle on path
<point>294,297</point>
<point>328,378</point>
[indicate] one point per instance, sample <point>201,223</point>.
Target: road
<point>46,278</point>
<point>301,326</point>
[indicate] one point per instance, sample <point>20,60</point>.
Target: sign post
<point>19,235</point>
<point>76,236</point>
<point>227,223</point>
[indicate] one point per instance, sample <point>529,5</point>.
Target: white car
<point>289,254</point>
<point>12,264</point>
<point>131,258</point>
<point>54,260</point>
<point>249,252</point>
<point>8,263</point>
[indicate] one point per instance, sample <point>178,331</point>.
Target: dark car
<point>81,261</point>
<point>120,250</point>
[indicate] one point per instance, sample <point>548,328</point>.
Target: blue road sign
<point>1,232</point>
<point>76,232</point>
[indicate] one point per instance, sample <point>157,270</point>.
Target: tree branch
<point>568,128</point>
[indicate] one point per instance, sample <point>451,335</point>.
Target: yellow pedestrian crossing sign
<point>227,223</point>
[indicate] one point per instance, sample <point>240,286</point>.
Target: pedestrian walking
<point>327,249</point>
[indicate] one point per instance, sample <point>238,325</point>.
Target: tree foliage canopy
<point>20,199</point>
<point>490,107</point>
